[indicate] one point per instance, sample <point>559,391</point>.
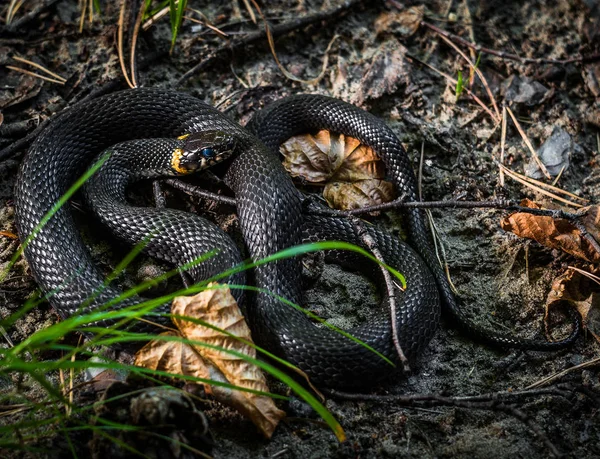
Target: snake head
<point>203,149</point>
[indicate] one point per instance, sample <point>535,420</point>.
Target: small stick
<point>159,198</point>
<point>550,187</point>
<point>134,37</point>
<point>372,246</point>
<point>199,192</point>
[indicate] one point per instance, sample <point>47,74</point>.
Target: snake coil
<point>270,213</point>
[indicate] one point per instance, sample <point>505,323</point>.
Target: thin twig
<point>372,246</point>
<point>587,274</point>
<point>199,192</point>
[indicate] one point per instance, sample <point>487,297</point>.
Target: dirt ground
<point>503,281</point>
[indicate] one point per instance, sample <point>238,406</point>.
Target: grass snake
<point>270,212</point>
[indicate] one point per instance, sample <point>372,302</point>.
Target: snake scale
<point>271,217</point>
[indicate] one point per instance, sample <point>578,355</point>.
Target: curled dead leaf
<point>578,289</point>
<point>352,172</point>
<point>557,233</point>
<point>217,307</point>
<point>347,196</point>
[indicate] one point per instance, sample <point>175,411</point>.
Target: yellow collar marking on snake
<point>176,159</point>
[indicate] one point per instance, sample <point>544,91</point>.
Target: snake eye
<point>207,153</point>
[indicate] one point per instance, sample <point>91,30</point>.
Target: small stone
<point>555,154</point>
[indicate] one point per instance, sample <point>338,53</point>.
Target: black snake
<point>270,213</point>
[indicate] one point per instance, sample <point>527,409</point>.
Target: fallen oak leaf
<point>315,158</point>
<point>217,307</point>
<point>556,233</point>
<point>579,289</point>
<point>352,172</point>
<point>348,196</point>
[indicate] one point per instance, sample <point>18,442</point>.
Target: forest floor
<point>372,48</point>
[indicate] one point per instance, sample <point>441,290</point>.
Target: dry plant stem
<point>27,18</point>
<point>503,204</point>
<point>372,246</point>
<point>502,144</point>
<point>40,67</point>
<point>121,26</point>
<point>585,273</point>
<point>33,74</point>
<point>206,24</point>
<point>83,5</point>
<point>479,74</point>
<point>153,19</point>
<point>546,185</point>
<point>528,143</point>
<point>133,45</point>
<point>276,31</point>
<point>527,182</point>
<point>554,377</point>
<point>503,55</point>
<point>454,82</point>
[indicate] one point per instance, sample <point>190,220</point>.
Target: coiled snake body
<point>270,213</point>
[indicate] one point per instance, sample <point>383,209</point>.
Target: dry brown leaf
<point>314,158</point>
<point>352,171</point>
<point>219,308</point>
<point>387,71</point>
<point>554,233</point>
<point>580,292</point>
<point>347,196</point>
<point>404,23</point>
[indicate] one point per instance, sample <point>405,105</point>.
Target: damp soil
<point>502,281</point>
